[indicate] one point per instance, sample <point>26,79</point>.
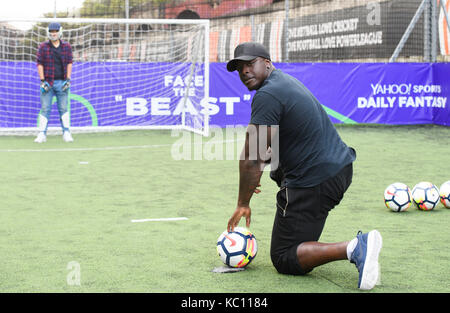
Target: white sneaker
<point>67,137</point>
<point>41,137</point>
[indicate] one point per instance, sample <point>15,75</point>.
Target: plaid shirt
<point>45,58</point>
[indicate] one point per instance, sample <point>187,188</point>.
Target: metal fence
<point>304,30</point>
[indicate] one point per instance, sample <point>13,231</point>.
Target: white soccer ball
<point>237,248</point>
<point>397,197</point>
<point>444,193</point>
<point>425,196</point>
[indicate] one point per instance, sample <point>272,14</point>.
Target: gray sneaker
<point>365,257</point>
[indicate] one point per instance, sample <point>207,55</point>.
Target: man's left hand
<point>66,85</point>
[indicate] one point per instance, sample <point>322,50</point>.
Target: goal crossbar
<point>204,22</point>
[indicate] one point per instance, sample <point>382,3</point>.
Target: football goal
<point>127,74</point>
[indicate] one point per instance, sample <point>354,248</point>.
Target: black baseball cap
<point>247,51</point>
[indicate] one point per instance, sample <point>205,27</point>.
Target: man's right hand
<point>45,87</point>
<point>241,211</point>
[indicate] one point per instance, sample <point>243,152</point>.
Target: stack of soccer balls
<point>425,195</point>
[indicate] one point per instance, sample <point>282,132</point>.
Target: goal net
<point>127,74</point>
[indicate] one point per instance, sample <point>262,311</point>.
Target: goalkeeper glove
<point>66,84</point>
<point>45,87</point>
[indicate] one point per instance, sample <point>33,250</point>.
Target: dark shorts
<point>300,217</point>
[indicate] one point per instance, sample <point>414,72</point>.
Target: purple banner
<point>393,93</point>
<point>107,95</point>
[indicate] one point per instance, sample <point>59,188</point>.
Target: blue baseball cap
<point>54,26</point>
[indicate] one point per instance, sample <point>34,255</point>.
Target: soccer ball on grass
<point>397,197</point>
<point>237,248</point>
<point>425,196</point>
<point>444,193</point>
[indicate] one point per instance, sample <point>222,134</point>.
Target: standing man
<point>54,59</point>
<point>315,169</point>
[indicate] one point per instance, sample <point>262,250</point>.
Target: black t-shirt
<point>310,149</point>
<point>59,68</point>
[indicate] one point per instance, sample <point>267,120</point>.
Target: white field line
<point>86,149</point>
<point>113,148</point>
<point>166,219</point>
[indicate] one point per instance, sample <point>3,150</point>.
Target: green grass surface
<point>63,202</point>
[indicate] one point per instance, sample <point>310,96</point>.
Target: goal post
<point>127,74</point>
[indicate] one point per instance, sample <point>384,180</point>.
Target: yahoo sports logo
<point>84,102</point>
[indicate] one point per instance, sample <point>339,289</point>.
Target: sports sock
<point>350,247</point>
